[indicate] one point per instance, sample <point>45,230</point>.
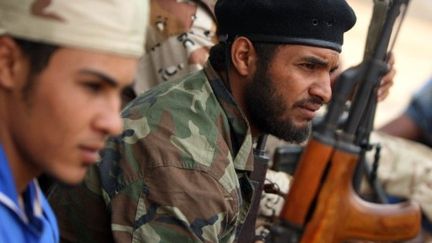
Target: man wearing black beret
<point>180,172</point>
<point>282,54</point>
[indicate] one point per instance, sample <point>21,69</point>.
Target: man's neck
<point>237,91</point>
<point>22,171</point>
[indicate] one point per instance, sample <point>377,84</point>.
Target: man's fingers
<point>390,59</point>
<point>386,84</point>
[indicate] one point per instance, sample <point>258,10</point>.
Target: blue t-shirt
<point>420,111</point>
<point>34,222</point>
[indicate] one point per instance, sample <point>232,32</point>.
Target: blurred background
<point>413,52</point>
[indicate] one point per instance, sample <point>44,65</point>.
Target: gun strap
<point>247,232</point>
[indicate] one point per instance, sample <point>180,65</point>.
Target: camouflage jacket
<point>178,173</point>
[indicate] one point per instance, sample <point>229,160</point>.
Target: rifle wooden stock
<point>307,182</point>
<point>342,215</point>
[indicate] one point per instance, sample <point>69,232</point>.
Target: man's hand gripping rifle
<point>322,205</point>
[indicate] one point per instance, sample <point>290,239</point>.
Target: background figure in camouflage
<point>407,161</point>
<point>180,170</point>
<point>411,171</point>
<point>179,37</point>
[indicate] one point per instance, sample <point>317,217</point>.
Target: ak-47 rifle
<point>322,205</point>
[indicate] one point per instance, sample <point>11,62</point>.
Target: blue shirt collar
<point>9,195</point>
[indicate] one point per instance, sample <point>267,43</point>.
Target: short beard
<point>266,109</point>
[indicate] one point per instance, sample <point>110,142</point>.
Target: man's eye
<point>93,87</point>
<point>310,66</point>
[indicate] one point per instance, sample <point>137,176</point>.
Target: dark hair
<point>217,56</point>
<point>218,52</point>
<point>265,52</point>
<point>38,55</point>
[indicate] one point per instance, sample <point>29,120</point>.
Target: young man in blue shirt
<point>63,65</point>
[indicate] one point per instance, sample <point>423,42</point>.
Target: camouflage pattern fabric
<point>179,37</point>
<point>271,204</point>
<point>178,173</point>
<point>405,169</point>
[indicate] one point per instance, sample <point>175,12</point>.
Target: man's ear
<point>12,62</point>
<point>243,56</point>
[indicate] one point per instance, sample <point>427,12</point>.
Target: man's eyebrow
<point>315,60</point>
<point>320,62</point>
<point>111,81</point>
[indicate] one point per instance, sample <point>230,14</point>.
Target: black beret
<point>319,23</point>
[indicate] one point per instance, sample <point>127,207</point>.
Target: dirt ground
<point>413,52</point>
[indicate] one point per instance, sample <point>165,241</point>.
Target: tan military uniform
<point>179,37</point>
<point>406,169</point>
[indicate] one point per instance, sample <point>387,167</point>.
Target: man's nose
<point>322,88</point>
<point>109,121</point>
